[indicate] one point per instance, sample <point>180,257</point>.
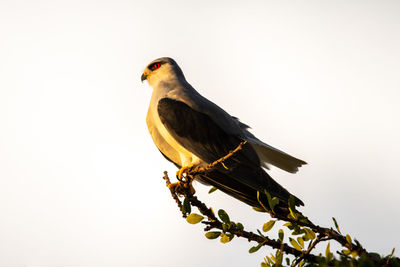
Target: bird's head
<point>162,69</point>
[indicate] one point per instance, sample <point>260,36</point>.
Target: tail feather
<point>232,186</point>
<point>270,155</point>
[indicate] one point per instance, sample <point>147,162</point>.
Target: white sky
<point>80,179</point>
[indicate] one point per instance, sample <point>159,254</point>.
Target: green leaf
<point>297,230</point>
<point>271,263</point>
<point>309,233</point>
<point>255,248</point>
<point>346,252</point>
<point>328,253</point>
<point>292,214</point>
<point>231,236</point>
<point>391,254</point>
<point>279,257</point>
<point>300,241</point>
<point>213,234</point>
<point>259,232</point>
<point>213,189</point>
<point>225,238</point>
<point>259,201</point>
<point>292,208</point>
<point>272,202</point>
<point>259,209</point>
<point>239,226</point>
<point>263,264</point>
<point>194,218</point>
<point>336,224</point>
<point>302,218</point>
<point>281,235</point>
<point>301,263</point>
<point>186,208</point>
<point>348,239</point>
<point>268,225</point>
<point>223,216</point>
<point>273,258</point>
<point>275,201</point>
<point>291,203</point>
<point>294,244</point>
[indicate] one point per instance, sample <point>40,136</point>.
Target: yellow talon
<point>183,170</point>
<point>174,186</point>
<point>180,186</point>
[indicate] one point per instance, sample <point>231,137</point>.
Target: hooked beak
<point>144,77</point>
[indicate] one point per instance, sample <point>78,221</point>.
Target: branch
<point>328,233</point>
<point>221,160</point>
<point>303,256</point>
<point>214,223</point>
<point>295,219</point>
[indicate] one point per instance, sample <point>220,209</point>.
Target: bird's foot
<point>184,169</point>
<point>176,188</point>
<point>181,187</point>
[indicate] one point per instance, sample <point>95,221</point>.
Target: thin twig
<point>214,223</point>
<point>328,232</point>
<point>307,252</point>
<point>210,166</point>
<point>173,193</point>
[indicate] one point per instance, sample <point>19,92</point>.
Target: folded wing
<point>202,136</point>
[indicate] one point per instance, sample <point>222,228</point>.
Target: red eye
<point>156,66</point>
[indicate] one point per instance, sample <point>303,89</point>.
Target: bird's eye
<point>156,66</point>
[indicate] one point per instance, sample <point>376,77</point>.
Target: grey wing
<point>199,134</point>
<point>266,153</point>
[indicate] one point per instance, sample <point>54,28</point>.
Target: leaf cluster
<point>303,235</point>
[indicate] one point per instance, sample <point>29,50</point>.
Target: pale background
<point>80,179</point>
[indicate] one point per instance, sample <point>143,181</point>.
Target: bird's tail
<point>251,195</point>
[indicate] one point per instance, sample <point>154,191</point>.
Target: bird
<point>190,130</point>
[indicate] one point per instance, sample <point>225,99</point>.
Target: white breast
<point>184,157</point>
